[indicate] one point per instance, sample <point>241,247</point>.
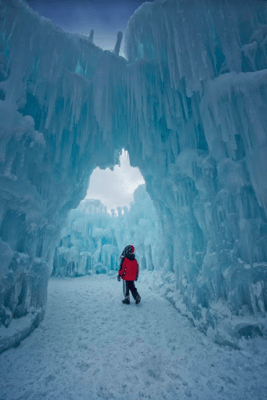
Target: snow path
<point>91,346</point>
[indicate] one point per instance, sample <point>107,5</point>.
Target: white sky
<point>115,188</point>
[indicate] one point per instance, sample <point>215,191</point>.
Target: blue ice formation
<point>189,105</point>
<point>92,240</point>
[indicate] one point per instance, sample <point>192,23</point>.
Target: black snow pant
<point>129,286</point>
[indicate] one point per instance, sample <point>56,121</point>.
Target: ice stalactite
<point>118,43</point>
<point>91,36</point>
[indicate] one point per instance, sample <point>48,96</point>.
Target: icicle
<point>118,43</point>
<point>91,36</point>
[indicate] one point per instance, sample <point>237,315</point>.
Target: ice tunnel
<point>92,237</point>
<point>188,104</point>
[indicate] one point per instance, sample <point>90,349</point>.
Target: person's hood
<point>127,250</point>
<point>130,256</point>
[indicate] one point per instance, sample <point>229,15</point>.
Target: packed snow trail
<point>91,346</point>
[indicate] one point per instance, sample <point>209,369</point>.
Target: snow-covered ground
<point>91,346</point>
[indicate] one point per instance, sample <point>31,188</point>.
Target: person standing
<point>129,271</point>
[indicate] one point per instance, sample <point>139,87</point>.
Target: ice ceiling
<point>189,106</point>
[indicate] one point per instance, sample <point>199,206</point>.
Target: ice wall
<point>55,127</point>
<point>88,242</point>
<point>200,90</point>
<point>140,226</point>
<point>190,108</point>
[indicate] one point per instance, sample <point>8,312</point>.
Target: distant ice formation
<point>93,240</point>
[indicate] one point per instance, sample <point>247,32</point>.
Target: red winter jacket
<point>129,268</point>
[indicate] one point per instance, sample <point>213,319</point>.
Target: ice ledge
<point>19,329</point>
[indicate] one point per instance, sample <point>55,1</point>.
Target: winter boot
<point>137,299</point>
<point>126,300</point>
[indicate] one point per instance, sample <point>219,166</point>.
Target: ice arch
<point>190,108</point>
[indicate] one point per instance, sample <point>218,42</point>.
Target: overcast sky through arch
<point>115,188</point>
